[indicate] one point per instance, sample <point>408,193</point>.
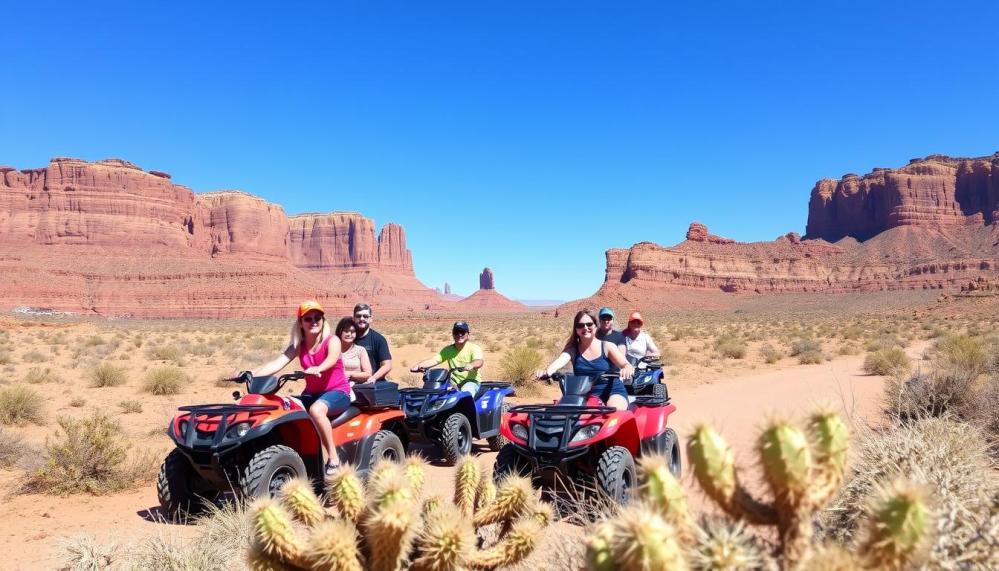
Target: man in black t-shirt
<point>606,331</point>
<point>373,342</point>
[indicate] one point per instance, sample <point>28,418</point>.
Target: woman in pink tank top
<point>327,392</point>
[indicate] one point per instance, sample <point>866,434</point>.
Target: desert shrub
<point>887,361</point>
<point>77,402</point>
<point>852,332</point>
<point>169,353</point>
<point>518,366</point>
<point>33,357</point>
<point>730,347</point>
<point>5,357</point>
<point>962,354</point>
<point>37,375</point>
<point>107,375</point>
<point>884,341</point>
<point>93,341</point>
<point>12,449</point>
<point>165,381</point>
<point>130,406</point>
<point>848,349</point>
<point>90,456</point>
<point>950,458</point>
<point>21,405</point>
<point>770,354</point>
<point>808,351</point>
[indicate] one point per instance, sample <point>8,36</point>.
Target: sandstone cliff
<point>928,225</point>
<point>933,192</point>
<point>109,237</point>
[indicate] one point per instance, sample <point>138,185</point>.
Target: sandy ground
<point>32,525</point>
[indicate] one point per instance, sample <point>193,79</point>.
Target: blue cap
<point>459,326</point>
<point>605,311</point>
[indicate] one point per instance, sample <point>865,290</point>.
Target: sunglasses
<point>312,319</point>
<point>606,318</point>
<point>362,316</point>
<point>459,333</point>
<point>587,325</point>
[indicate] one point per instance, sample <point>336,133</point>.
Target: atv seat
<point>345,416</point>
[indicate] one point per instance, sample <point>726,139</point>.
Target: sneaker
<point>331,470</point>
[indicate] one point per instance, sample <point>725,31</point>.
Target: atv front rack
<point>561,409</point>
<point>204,412</point>
<point>551,428</point>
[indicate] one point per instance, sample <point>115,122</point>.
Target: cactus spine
<point>401,530</point>
<point>898,527</point>
<point>466,483</point>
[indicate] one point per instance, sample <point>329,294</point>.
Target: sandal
<point>331,470</point>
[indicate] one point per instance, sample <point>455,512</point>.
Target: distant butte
<point>931,224</point>
<point>107,237</point>
<point>487,299</point>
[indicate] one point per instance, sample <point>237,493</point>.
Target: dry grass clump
<point>165,381</point>
<point>5,357</point>
<point>518,366</point>
<point>33,357</point>
<point>107,375</point>
<point>730,347</point>
<point>38,375</point>
<point>887,361</point>
<point>170,353</point>
<point>965,355</point>
<point>90,456</point>
<point>130,406</point>
<point>12,449</point>
<point>21,405</point>
<point>951,459</point>
<point>770,354</point>
<point>808,351</point>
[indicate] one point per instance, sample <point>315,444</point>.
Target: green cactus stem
<point>642,540</point>
<point>297,496</point>
<point>598,550</point>
<point>724,545</point>
<point>513,548</point>
<point>389,531</point>
<point>663,491</point>
<point>333,547</point>
<point>898,528</point>
<point>713,461</point>
<point>466,482</point>
<point>274,534</point>
<point>415,470</point>
<point>830,441</point>
<point>346,492</point>
<point>513,496</point>
<point>446,543</point>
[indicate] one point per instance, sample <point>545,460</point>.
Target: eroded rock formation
<point>109,237</point>
<point>486,279</point>
<point>928,225</point>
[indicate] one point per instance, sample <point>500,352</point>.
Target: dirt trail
<point>33,525</point>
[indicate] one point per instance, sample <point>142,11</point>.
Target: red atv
<point>255,446</point>
<point>581,441</point>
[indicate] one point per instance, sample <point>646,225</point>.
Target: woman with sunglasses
<point>592,357</point>
<point>327,392</point>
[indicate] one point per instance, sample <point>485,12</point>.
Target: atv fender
<point>489,412</point>
<point>653,420</point>
<point>623,433</point>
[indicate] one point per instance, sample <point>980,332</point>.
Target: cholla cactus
<point>387,526</point>
<point>803,468</point>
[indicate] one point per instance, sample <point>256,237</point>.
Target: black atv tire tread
<point>176,500</point>
<point>659,390</point>
<point>249,480</point>
<point>612,464</point>
<point>508,461</point>
<point>674,441</point>
<point>496,443</point>
<point>449,438</point>
<point>383,440</point>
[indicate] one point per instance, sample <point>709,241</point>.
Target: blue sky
<point>522,135</point>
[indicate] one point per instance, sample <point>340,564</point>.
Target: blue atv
<point>440,414</point>
<point>648,378</point>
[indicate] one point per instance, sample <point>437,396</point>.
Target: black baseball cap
<point>459,326</point>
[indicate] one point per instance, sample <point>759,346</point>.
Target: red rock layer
<point>489,301</point>
<point>111,238</point>
<point>937,191</point>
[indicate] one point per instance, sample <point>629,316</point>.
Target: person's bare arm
<point>384,368</point>
<point>559,362</point>
<point>617,357</point>
<point>273,366</point>
<point>426,364</point>
<point>653,349</point>
<point>476,364</point>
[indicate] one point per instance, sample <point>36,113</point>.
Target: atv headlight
<point>238,430</point>
<point>519,430</point>
<point>587,432</point>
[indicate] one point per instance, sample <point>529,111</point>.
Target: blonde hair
<point>298,334</point>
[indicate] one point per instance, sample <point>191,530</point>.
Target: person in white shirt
<point>638,343</point>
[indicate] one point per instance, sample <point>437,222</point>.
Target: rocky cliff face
<point>928,225</point>
<point>110,224</point>
<point>935,192</point>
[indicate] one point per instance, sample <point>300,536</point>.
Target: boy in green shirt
<point>462,355</point>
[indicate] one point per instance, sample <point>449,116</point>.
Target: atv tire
<point>496,443</point>
<point>456,438</point>
<point>269,469</point>
<point>386,445</point>
<point>509,461</point>
<point>616,474</point>
<point>672,451</point>
<point>177,488</point>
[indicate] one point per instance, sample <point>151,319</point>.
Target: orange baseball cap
<point>310,305</point>
<point>635,316</point>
